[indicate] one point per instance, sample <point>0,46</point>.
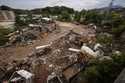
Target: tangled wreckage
<point>56,62</point>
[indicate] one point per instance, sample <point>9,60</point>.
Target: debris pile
<point>28,34</point>
<point>58,58</point>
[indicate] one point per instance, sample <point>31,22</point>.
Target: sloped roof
<point>6,16</point>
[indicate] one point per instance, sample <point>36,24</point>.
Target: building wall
<point>7,18</point>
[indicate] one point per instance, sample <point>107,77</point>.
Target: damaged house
<point>7,18</point>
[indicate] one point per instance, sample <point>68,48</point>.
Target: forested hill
<point>17,11</point>
<point>47,10</point>
<point>118,9</point>
<point>60,9</point>
<point>53,10</point>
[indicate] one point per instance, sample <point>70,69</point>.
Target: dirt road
<point>9,54</point>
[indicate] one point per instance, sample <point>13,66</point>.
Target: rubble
<point>93,26</point>
<point>55,56</point>
<point>74,50</point>
<point>72,70</point>
<point>41,47</point>
<point>30,33</point>
<point>21,76</point>
<point>97,52</point>
<point>59,57</point>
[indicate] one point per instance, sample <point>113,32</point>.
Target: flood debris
<point>41,47</point>
<point>72,70</point>
<point>95,52</point>
<point>22,76</point>
<point>74,50</point>
<point>31,32</point>
<point>53,78</point>
<point>93,26</point>
<point>60,59</point>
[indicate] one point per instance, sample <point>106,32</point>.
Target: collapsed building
<point>54,58</point>
<point>59,58</point>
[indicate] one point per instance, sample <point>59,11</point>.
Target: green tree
<point>77,16</point>
<point>104,71</point>
<point>3,35</point>
<point>118,24</point>
<point>65,16</point>
<point>93,17</point>
<point>20,22</point>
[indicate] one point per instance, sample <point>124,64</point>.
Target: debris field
<point>52,55</point>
